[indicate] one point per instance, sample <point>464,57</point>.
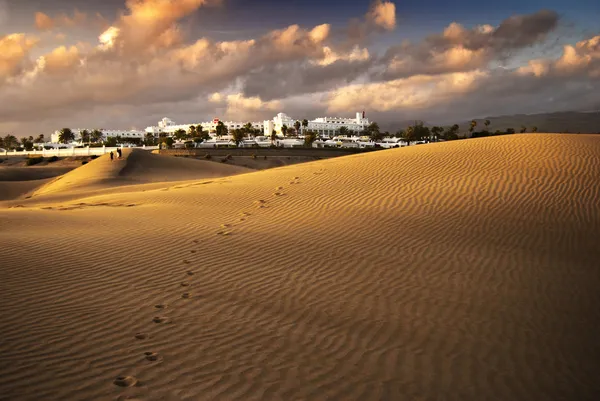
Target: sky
<point>128,63</point>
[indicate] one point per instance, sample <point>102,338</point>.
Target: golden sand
<point>453,271</point>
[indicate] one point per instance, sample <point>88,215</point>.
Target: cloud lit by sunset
<point>146,53</point>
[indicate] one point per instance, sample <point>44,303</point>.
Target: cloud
<point>581,59</point>
<point>145,66</point>
<point>150,23</point>
<point>43,22</point>
<point>458,49</point>
<point>14,52</point>
<point>237,106</point>
<point>415,92</point>
<point>383,15</point>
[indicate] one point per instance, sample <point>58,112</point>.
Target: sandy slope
<point>135,167</point>
<point>453,271</point>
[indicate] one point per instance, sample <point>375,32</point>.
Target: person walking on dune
<point>112,156</point>
<point>119,152</point>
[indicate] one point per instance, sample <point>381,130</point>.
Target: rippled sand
<point>453,271</point>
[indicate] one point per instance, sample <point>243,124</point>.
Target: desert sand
<point>467,270</point>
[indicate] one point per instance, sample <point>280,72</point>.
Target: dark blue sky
<point>242,17</point>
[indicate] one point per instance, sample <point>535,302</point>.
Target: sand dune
<point>135,167</point>
<point>452,271</point>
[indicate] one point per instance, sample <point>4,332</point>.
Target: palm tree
<point>238,135</point>
<point>408,135</point>
<point>149,139</point>
<point>11,142</point>
<point>66,135</point>
<point>297,125</point>
<point>39,139</point>
<point>436,131</point>
<point>487,124</point>
<point>309,138</point>
<point>180,134</point>
<point>305,123</point>
<point>284,130</point>
<point>221,129</point>
<point>96,136</point>
<point>248,128</point>
<point>473,125</point>
<point>534,129</point>
<point>85,136</point>
<point>273,136</point>
<point>343,131</point>
<point>191,131</point>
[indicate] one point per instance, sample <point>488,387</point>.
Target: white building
<point>327,126</point>
<point>330,126</point>
<point>168,126</point>
<point>106,133</point>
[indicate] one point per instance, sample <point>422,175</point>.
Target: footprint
<point>193,251</point>
<point>186,262</point>
<point>185,295</point>
<point>260,201</point>
<point>185,284</point>
<point>225,225</point>
<point>244,214</point>
<point>190,273</point>
<point>125,381</point>
<point>195,241</point>
<point>225,233</point>
<point>160,306</point>
<point>151,356</point>
<point>296,178</point>
<point>278,188</point>
<point>160,319</point>
<point>141,336</point>
<point>278,194</point>
<point>242,219</point>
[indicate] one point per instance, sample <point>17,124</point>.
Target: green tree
<point>149,139</point>
<point>238,136</point>
<point>85,136</point>
<point>510,131</point>
<point>305,123</point>
<point>111,141</point>
<point>248,129</point>
<point>27,143</point>
<point>96,136</point>
<point>39,139</point>
<point>10,142</point>
<point>309,138</point>
<point>221,129</point>
<point>473,125</point>
<point>417,132</point>
<point>373,132</point>
<point>343,131</point>
<point>66,135</point>
<point>523,129</point>
<point>451,133</point>
<point>273,136</point>
<point>408,135</point>
<point>487,124</point>
<point>284,130</point>
<point>437,131</point>
<point>400,133</point>
<point>534,129</point>
<point>297,126</point>
<point>191,131</point>
<point>180,134</point>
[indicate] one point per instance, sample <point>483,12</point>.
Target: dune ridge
<point>452,271</point>
<point>135,167</point>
